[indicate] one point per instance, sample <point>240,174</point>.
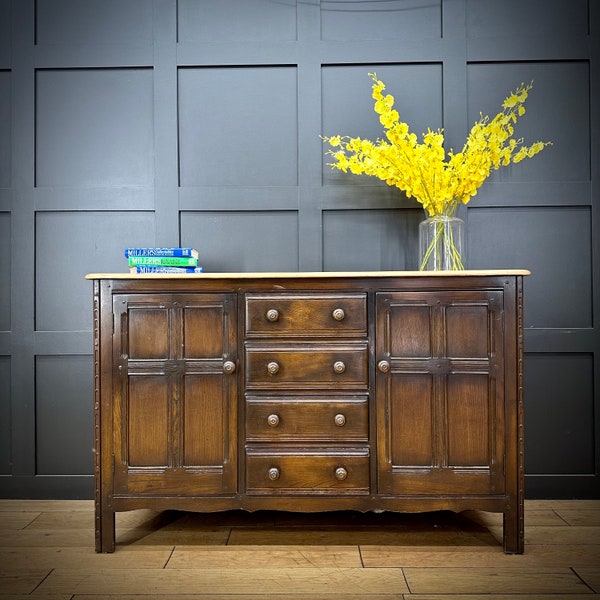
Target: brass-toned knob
<point>228,367</point>
<point>272,315</point>
<point>273,420</point>
<point>383,366</point>
<point>273,473</point>
<point>272,368</point>
<point>339,420</point>
<point>339,366</point>
<point>338,314</point>
<point>341,473</point>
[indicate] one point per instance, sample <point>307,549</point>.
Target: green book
<point>170,261</point>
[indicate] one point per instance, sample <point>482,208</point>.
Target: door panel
<point>469,427</point>
<point>203,330</point>
<point>175,409</point>
<point>206,423</point>
<point>411,419</point>
<point>409,330</point>
<point>464,327</point>
<point>147,333</point>
<point>147,421</point>
<point>440,399</point>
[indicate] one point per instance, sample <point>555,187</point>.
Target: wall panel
<point>5,133</point>
<point>552,18</point>
<point>556,245</point>
<point>5,417</point>
<point>71,244</point>
<point>390,20</point>
<point>236,20</point>
<point>92,22</point>
<point>238,126</point>
<point>94,127</point>
<point>558,110</point>
<point>559,392</point>
<point>5,33</point>
<point>370,240</point>
<point>417,90</point>
<point>243,240</point>
<point>5,279</point>
<point>64,423</point>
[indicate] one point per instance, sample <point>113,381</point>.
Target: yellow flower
<point>535,148</point>
<point>511,101</point>
<point>389,118</point>
<point>422,170</point>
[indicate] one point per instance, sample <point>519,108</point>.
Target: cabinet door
<point>175,397</point>
<point>440,392</point>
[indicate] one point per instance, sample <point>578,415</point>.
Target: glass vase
<point>441,244</point>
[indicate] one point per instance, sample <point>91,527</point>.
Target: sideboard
<point>309,392</point>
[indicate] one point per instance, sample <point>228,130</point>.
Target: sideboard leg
<point>513,534</point>
<point>105,530</point>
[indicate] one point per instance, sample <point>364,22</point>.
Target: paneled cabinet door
<point>440,392</point>
<point>174,407</point>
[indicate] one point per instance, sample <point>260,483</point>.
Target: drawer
<point>307,419</point>
<point>306,314</point>
<point>317,471</point>
<point>307,365</point>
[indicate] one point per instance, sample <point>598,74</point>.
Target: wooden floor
<point>47,551</point>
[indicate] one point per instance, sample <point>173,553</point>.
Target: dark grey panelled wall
<point>197,122</point>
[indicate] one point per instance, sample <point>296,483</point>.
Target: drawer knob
<point>228,367</point>
<point>341,473</point>
<point>339,366</point>
<point>273,473</point>
<point>273,420</point>
<point>272,315</point>
<point>272,368</point>
<point>383,366</point>
<point>338,314</point>
<point>339,420</point>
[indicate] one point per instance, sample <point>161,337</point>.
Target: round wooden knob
<point>228,367</point>
<point>273,473</point>
<point>383,366</point>
<point>272,368</point>
<point>272,315</point>
<point>273,420</point>
<point>339,420</point>
<point>339,366</point>
<point>338,314</point>
<point>341,473</point>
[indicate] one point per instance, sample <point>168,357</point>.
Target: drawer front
<point>324,471</point>
<point>307,419</point>
<point>306,314</point>
<point>308,365</point>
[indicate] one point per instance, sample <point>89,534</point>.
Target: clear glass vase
<point>441,244</point>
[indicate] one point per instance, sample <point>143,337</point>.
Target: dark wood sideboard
<point>393,391</point>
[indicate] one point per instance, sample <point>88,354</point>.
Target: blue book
<point>164,269</point>
<point>184,252</point>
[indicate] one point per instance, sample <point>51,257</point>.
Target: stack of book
<point>163,260</point>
